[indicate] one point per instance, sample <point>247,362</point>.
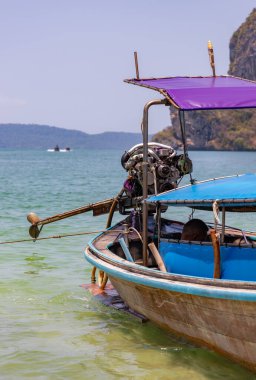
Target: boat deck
<point>102,242</point>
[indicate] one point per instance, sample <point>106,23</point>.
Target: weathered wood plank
<point>225,326</point>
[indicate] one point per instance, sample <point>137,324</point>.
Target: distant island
<point>34,136</point>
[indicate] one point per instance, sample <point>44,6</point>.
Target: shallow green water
<point>51,328</point>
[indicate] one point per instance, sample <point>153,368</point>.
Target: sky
<point>63,61</point>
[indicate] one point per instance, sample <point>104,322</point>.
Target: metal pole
<point>223,224</point>
<point>136,65</point>
<point>145,176</point>
<point>183,132</point>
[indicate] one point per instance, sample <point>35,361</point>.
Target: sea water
<point>51,327</point>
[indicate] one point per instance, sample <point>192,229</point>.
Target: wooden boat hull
<point>223,319</point>
<point>222,325</point>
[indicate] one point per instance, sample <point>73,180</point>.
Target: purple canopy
<point>194,93</point>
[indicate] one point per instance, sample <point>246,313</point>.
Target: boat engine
<point>165,168</point>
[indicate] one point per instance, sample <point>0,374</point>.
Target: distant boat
<point>57,149</point>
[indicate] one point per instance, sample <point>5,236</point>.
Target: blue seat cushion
<point>237,263</point>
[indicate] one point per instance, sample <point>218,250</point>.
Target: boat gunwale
<point>209,287</point>
<point>178,285</point>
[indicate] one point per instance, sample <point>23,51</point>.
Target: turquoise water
<point>51,328</point>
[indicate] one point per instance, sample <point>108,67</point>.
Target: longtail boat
<point>201,289</point>
<point>193,278</point>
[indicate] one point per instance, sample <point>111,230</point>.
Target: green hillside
<point>42,137</point>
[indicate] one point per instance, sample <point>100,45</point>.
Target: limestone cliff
<point>223,130</point>
<point>243,49</point>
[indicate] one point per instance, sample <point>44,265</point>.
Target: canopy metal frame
<point>145,119</point>
<point>145,174</point>
<point>168,100</point>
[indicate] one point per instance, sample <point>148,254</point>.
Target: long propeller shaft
<point>101,207</point>
<point>98,208</point>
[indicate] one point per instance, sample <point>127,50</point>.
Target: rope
<point>215,208</point>
<point>57,236</point>
<point>137,232</point>
<point>51,237</point>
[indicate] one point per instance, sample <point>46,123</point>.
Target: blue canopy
<point>236,193</point>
